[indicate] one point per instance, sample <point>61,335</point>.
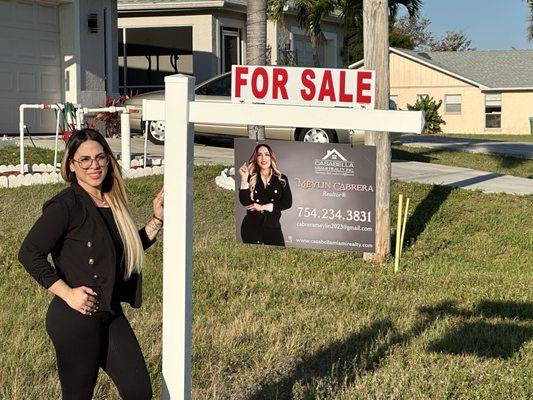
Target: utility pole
<point>376,57</point>
<point>256,47</point>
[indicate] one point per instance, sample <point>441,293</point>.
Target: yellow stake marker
<point>398,234</point>
<point>404,224</point>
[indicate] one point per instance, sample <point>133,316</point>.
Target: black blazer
<point>276,192</point>
<point>72,230</point>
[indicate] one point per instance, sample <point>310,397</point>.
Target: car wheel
<point>317,135</point>
<point>156,131</point>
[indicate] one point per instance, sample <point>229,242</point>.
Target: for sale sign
<point>306,195</point>
<point>303,86</point>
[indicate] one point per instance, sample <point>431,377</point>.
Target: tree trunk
<point>376,51</point>
<point>256,48</point>
<point>315,43</point>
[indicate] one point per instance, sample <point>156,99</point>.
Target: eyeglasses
<point>85,162</point>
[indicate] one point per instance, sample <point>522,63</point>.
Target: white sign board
<point>325,87</point>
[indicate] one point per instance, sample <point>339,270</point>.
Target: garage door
<point>29,63</point>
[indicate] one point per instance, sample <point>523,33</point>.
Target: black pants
<point>84,343</point>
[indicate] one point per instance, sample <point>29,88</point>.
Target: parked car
<point>219,89</point>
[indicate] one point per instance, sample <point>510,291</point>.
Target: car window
<point>218,87</point>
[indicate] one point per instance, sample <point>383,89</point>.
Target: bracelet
<point>159,219</point>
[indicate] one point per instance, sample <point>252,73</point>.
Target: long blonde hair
<point>255,170</point>
<point>114,194</point>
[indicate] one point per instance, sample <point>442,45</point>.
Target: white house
<point>55,51</point>
<point>204,38</point>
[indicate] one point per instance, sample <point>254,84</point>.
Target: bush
<point>431,110</point>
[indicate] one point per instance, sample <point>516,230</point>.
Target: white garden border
<point>39,174</point>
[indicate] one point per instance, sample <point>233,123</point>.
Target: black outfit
<point>87,251</point>
<point>263,227</point>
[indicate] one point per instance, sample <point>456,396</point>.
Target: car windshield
<point>217,87</point>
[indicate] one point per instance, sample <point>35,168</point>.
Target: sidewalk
<point>435,174</point>
<point>513,149</point>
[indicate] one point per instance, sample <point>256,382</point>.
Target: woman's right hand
<point>83,299</point>
<point>243,170</point>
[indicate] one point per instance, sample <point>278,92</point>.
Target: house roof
<point>145,5</point>
<point>492,69</point>
<point>167,5</point>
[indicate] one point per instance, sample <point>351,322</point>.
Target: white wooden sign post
<point>181,111</point>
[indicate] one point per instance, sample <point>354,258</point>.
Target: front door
<point>231,48</point>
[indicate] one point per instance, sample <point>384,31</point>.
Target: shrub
<point>431,110</point>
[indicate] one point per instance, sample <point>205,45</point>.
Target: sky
<point>490,24</point>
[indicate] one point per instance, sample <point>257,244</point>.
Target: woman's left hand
<point>158,204</point>
<point>255,207</point>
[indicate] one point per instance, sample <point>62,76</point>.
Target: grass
<point>456,322</point>
<point>483,162</point>
<point>32,155</point>
<point>505,138</point>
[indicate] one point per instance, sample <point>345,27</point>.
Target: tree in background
<point>422,39</point>
<point>311,13</point>
<point>352,12</point>
<point>452,41</point>
<point>530,27</point>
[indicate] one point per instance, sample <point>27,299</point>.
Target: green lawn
<point>32,155</point>
<point>505,138</point>
<point>483,162</point>
<point>455,323</point>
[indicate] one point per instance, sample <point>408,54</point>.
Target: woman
<point>265,192</point>
<point>98,256</point>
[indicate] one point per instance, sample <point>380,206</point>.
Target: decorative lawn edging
<point>226,179</point>
<point>39,174</point>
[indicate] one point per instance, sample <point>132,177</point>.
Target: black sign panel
<point>306,195</point>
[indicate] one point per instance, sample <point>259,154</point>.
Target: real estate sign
<point>319,195</point>
<point>327,87</point>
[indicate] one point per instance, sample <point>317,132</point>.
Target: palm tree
<point>256,47</point>
<point>311,12</point>
<point>530,28</point>
<point>352,12</point>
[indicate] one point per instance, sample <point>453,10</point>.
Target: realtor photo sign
<point>306,195</point>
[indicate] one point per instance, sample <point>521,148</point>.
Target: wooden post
<point>376,56</point>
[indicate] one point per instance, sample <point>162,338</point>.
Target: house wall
<point>203,26</point>
<point>97,70</point>
<point>409,78</point>
<point>517,107</point>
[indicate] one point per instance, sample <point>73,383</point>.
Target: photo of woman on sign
<point>265,193</point>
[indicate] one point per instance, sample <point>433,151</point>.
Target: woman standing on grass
<point>98,256</point>
<point>265,192</point>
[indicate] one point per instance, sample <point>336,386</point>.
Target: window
<point>452,103</point>
<point>218,87</point>
<point>493,110</point>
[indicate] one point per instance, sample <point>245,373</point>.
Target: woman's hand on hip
<point>83,299</point>
<point>158,204</point>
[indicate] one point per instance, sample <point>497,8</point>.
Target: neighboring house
<point>481,91</point>
<point>49,53</point>
<point>205,38</point>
